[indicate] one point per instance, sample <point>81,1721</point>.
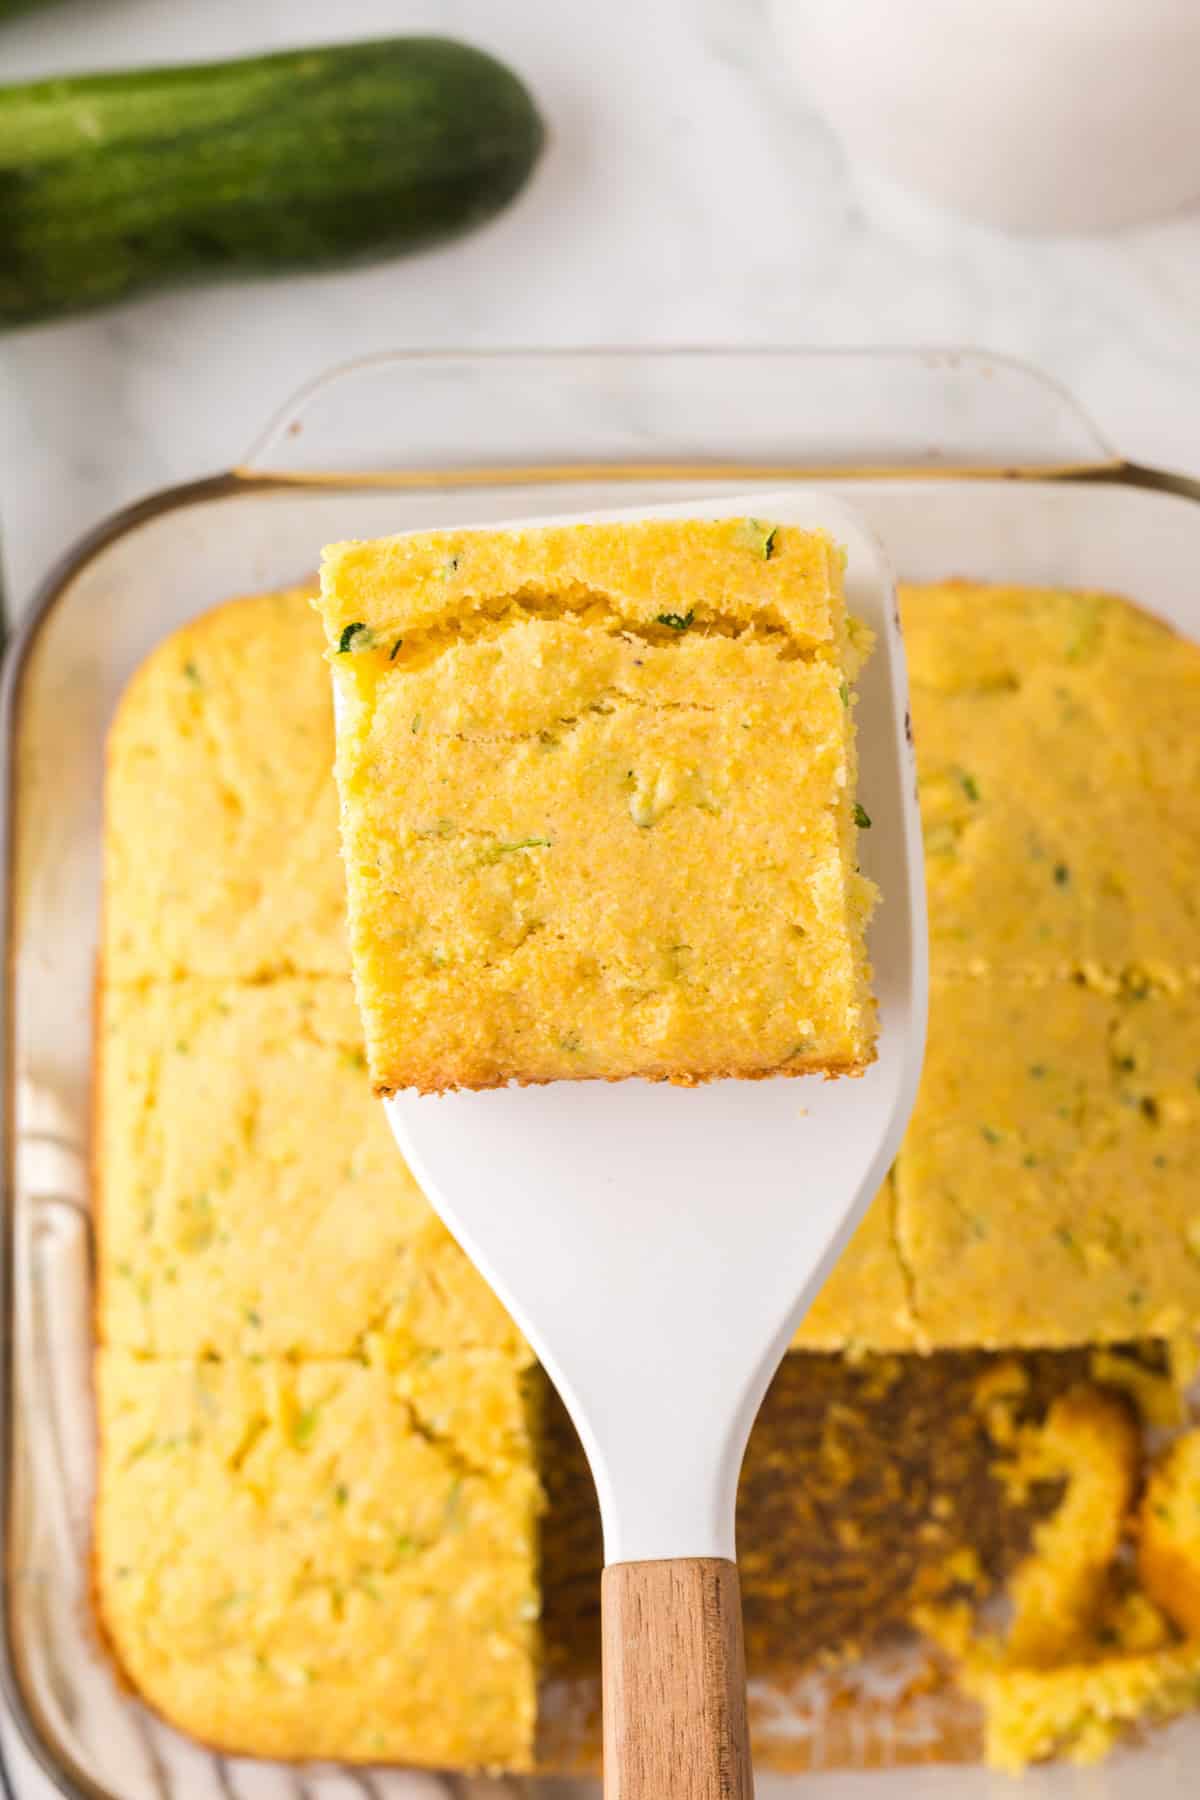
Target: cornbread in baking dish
<point>295,1560</point>
<point>250,1195</point>
<point>598,803</point>
<point>282,1317</point>
<point>1058,737</point>
<point>1045,1191</point>
<point>1169,1535</point>
<point>1046,1187</point>
<point>219,808</point>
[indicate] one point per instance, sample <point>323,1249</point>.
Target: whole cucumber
<point>114,184</point>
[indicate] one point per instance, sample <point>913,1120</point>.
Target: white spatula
<point>658,1246</point>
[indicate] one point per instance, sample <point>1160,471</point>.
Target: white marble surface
<point>685,197</point>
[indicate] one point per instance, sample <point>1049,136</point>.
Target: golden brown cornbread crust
<point>597,801</point>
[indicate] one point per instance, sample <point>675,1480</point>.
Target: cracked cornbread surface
<point>315,1522</point>
<point>1046,1186</point>
<point>320,1560</point>
<point>230,1219</point>
<point>219,807</point>
<point>598,803</point>
<point>236,1247</point>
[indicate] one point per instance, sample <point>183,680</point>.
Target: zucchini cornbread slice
<point>598,803</point>
<point>313,1560</point>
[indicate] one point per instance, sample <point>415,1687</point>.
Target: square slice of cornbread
<point>220,840</point>
<point>866,1299</point>
<point>1058,742</point>
<point>598,803</point>
<point>1045,1188</point>
<point>250,1196</point>
<point>292,1560</point>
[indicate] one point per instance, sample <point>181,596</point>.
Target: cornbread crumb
<point>1045,1190</point>
<point>1081,1711</point>
<point>866,1302</point>
<point>868,1486</point>
<point>598,811</point>
<point>291,1561</point>
<point>1087,1656</point>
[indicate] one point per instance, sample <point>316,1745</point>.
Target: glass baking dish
<point>962,464</point>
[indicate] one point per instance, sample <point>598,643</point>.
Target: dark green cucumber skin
<point>112,185</point>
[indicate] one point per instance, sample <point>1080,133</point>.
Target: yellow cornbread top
<point>1087,1655</point>
<point>1169,1534</point>
<point>352,1538</point>
<point>728,573</point>
<point>598,803</point>
<point>1045,1190</point>
<point>220,806</point>
<point>1089,1165</point>
<point>322,1560</point>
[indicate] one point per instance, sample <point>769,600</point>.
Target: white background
<point>686,197</point>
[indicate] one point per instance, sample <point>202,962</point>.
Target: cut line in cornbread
<point>598,807</point>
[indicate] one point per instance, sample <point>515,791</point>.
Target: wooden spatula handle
<point>674,1682</point>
